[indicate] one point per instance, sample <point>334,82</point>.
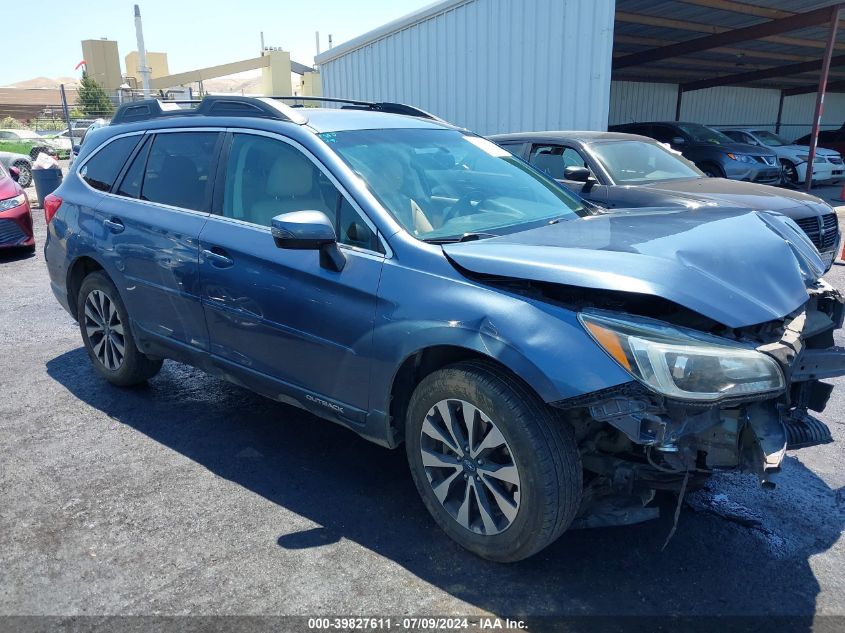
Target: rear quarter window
<point>101,170</point>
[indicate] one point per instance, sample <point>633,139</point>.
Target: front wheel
<point>790,173</point>
<point>107,334</point>
<point>500,474</point>
<point>712,171</point>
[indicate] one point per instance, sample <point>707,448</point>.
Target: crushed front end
<point>702,401</point>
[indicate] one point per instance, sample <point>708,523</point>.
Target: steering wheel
<point>464,205</point>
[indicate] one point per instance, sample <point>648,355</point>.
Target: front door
<point>554,159</point>
<point>276,316</point>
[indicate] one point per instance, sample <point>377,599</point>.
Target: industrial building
<point>501,65</point>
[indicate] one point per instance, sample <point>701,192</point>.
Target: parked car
<point>15,214</point>
<point>827,164</point>
<point>613,169</point>
<point>714,153</point>
<point>420,285</point>
<point>22,163</point>
<point>31,142</point>
<point>828,139</point>
<point>97,123</point>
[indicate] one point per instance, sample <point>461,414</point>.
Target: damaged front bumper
<point>634,439</point>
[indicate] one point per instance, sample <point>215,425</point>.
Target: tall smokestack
<point>143,69</point>
<point>317,38</point>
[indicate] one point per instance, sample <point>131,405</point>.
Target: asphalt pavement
<point>193,496</point>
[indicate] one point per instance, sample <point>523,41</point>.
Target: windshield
<point>767,138</point>
<point>442,184</point>
<point>637,162</point>
<point>704,134</point>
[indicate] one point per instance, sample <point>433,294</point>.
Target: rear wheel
<point>496,469</point>
<point>107,335</point>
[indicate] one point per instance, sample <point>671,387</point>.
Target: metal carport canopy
<point>796,47</point>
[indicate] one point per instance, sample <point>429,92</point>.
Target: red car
<point>15,214</point>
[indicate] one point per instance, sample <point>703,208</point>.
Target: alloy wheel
<point>470,467</point>
<point>105,330</point>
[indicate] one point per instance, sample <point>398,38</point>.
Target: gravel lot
<point>193,496</point>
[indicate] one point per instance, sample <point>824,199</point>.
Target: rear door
<point>151,222</point>
<point>277,317</point>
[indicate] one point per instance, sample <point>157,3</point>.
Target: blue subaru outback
<point>544,364</point>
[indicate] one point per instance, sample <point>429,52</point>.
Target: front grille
<point>10,233</point>
<point>831,230</point>
<point>813,228</point>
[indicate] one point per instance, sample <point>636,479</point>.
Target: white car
<point>35,143</point>
<point>827,165</point>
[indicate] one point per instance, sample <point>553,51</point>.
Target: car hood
<point>738,148</point>
<point>805,149</point>
<point>735,266</point>
<point>736,193</point>
<point>8,188</point>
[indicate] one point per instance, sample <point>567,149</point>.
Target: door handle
<point>217,259</point>
<point>114,225</point>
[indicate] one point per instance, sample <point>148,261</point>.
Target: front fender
<point>544,344</point>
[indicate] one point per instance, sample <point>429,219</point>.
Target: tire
<point>25,179</point>
<point>99,302</point>
<point>712,171</point>
<point>539,446</point>
<point>790,173</point>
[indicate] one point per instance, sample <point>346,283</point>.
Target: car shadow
<point>356,490</point>
<point>15,254</point>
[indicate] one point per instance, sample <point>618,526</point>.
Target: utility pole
<point>143,69</point>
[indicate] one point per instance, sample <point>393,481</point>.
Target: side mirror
<point>678,140</point>
<point>15,173</point>
<point>75,150</point>
<point>308,230</point>
<point>577,174</point>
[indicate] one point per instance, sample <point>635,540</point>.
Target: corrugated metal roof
<point>645,24</point>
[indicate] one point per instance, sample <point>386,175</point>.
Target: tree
<point>92,99</point>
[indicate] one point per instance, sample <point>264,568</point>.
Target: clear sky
<point>193,33</point>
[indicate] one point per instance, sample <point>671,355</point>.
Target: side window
<point>102,169</point>
<point>266,177</point>
<point>554,159</point>
<point>130,186</point>
<point>179,168</point>
<point>513,148</point>
<point>664,133</point>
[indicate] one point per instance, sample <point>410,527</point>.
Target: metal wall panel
<point>488,65</point>
<point>632,101</point>
<point>731,105</point>
<point>798,114</point>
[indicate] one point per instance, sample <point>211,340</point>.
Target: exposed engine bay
<point>635,441</point>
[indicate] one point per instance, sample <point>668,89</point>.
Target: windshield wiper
<point>466,237</point>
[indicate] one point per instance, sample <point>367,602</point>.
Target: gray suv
<point>713,153</point>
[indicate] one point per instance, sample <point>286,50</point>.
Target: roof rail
<point>354,104</point>
<point>215,105</point>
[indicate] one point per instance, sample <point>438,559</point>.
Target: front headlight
<point>742,158</point>
<point>683,364</point>
<point>11,203</point>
